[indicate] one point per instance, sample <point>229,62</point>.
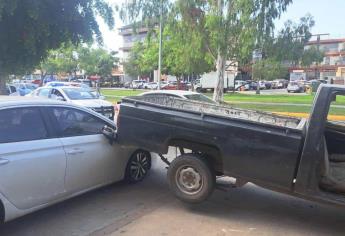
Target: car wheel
<point>138,166</point>
<point>191,179</point>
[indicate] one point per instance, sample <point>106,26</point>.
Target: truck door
<point>322,165</point>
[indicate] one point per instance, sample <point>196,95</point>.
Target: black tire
<point>194,167</point>
<point>138,166</point>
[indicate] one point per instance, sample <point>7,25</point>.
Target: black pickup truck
<point>300,157</point>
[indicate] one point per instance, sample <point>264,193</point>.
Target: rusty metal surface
<point>221,110</point>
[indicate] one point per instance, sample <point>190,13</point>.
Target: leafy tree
<point>62,60</point>
<point>97,61</point>
<point>229,28</point>
<point>132,64</point>
<point>232,28</point>
<point>184,51</point>
<point>184,54</point>
<point>29,29</point>
<point>312,55</point>
<point>269,69</point>
<point>289,44</point>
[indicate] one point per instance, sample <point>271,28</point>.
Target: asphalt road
<point>149,209</point>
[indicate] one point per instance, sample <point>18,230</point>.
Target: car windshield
<point>199,98</point>
<point>80,94</point>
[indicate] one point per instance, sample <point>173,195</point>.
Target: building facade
<point>333,64</point>
<point>131,35</point>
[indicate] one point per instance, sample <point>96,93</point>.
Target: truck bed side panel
<point>252,151</point>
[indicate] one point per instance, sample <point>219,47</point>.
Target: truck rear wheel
<point>191,179</point>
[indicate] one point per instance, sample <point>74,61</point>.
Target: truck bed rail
<point>220,110</point>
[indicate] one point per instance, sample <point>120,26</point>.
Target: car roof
<point>65,87</point>
<point>170,92</point>
<point>6,101</point>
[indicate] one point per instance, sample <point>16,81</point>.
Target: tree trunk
<point>43,75</point>
<point>257,88</point>
<point>3,90</point>
<point>219,89</point>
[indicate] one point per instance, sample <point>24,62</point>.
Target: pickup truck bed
<point>256,146</point>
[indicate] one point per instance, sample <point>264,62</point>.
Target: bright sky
<point>328,14</point>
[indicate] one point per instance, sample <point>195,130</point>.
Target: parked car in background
<point>175,86</point>
<point>295,87</point>
<point>150,85</point>
<point>51,151</point>
<point>241,84</point>
<point>23,89</point>
<point>280,84</point>
<point>138,84</point>
<point>268,84</point>
<point>78,96</point>
<point>62,83</point>
<point>127,84</point>
<point>11,90</point>
<point>262,84</point>
<point>188,95</point>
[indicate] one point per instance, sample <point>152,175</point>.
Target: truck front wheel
<point>191,179</point>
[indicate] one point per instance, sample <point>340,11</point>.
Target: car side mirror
<point>109,133</point>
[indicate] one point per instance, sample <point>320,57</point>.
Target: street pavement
<point>149,209</point>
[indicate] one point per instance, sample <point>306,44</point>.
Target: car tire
<point>191,179</point>
<point>138,166</point>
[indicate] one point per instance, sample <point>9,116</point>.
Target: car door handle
<point>4,161</point>
<point>75,152</point>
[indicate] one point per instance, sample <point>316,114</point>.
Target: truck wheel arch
<point>210,152</point>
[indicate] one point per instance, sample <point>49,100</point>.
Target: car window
<point>57,93</point>
<point>72,122</point>
<point>43,92</point>
<point>199,98</point>
<point>172,96</point>
<point>21,124</point>
<point>79,94</point>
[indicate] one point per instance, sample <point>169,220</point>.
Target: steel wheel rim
<point>189,180</point>
<point>139,166</point>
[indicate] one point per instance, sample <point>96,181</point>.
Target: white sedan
<point>51,151</point>
<point>78,96</point>
<point>180,94</point>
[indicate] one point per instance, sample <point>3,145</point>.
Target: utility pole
<point>160,44</point>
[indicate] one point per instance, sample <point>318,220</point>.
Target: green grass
<point>283,108</point>
<point>295,99</point>
<point>232,98</point>
<point>122,92</point>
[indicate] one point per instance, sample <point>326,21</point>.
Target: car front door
<point>32,161</point>
<point>91,159</point>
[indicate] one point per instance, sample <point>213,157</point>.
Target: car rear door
<point>32,161</point>
<point>91,160</point>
